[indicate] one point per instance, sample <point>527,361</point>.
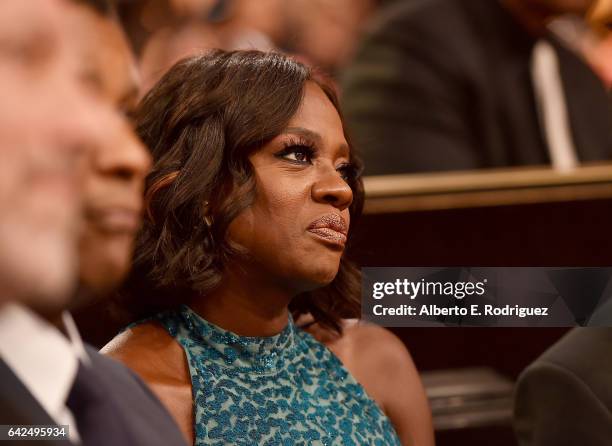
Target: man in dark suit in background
<point>454,84</point>
<point>47,120</point>
<point>565,397</point>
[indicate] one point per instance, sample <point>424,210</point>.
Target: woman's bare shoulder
<point>382,364</point>
<point>376,347</point>
<point>150,351</point>
<point>374,340</point>
<point>360,339</point>
<point>377,358</point>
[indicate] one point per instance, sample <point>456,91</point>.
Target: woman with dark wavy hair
<point>249,204</point>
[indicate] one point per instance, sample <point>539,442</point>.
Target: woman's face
<point>115,174</point>
<point>295,231</point>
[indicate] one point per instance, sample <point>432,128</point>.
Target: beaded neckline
<point>283,389</point>
<point>262,354</point>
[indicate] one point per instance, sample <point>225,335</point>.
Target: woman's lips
<point>330,227</point>
<point>330,235</point>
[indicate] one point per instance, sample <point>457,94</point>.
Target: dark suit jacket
<point>565,397</point>
<point>18,406</point>
<point>143,418</point>
<point>446,84</point>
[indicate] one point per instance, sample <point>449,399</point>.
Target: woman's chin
<point>322,276</point>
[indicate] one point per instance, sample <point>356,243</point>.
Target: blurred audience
<point>450,84</point>
<point>325,32</point>
<point>197,26</point>
<point>318,32</point>
<point>565,396</point>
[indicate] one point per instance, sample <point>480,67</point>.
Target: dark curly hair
<point>202,121</point>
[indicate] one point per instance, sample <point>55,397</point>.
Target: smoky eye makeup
<point>349,172</point>
<point>297,150</point>
<point>302,151</point>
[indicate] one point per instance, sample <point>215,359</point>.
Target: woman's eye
<point>298,154</point>
<point>346,171</point>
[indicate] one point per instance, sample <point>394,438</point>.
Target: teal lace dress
<point>286,389</point>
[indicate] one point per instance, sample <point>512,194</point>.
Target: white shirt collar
<point>43,358</point>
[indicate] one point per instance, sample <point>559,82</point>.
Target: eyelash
<point>347,171</point>
<point>293,146</point>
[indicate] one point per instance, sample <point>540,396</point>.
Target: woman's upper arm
<point>388,373</point>
<point>159,361</point>
<point>407,402</point>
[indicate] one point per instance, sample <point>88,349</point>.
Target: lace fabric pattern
<point>287,389</point>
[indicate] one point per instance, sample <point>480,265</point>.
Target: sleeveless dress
<point>287,389</point>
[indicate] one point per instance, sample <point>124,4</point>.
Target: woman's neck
<point>246,307</point>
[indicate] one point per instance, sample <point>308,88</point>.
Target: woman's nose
<point>331,188</point>
<point>128,158</point>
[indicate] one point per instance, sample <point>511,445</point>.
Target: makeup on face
<point>331,228</point>
<point>302,146</point>
<point>297,226</point>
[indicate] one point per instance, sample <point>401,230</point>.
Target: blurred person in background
<point>142,18</point>
<point>200,25</point>
<point>451,84</point>
<point>565,396</point>
<point>324,33</point>
<point>590,37</point>
<point>48,116</point>
<point>321,33</point>
<point>601,54</point>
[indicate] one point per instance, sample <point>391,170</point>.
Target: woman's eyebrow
<point>341,151</point>
<point>305,133</point>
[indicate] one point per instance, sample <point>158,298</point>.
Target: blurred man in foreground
<point>47,375</point>
<point>46,128</point>
<point>47,125</point>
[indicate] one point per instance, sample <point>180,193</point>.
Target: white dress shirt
<point>552,107</point>
<point>43,358</point>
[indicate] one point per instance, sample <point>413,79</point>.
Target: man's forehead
<point>106,62</point>
<point>33,34</point>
